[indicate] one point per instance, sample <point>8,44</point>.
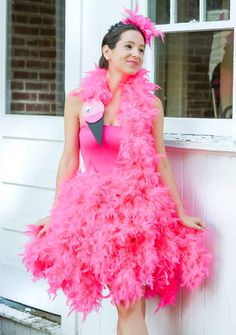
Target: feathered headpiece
<point>143,23</point>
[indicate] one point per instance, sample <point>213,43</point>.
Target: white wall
<point>207,184</point>
<point>98,16</point>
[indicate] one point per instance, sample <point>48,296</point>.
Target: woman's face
<point>127,56</point>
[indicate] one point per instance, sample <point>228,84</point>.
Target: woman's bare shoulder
<point>159,107</point>
<point>74,96</point>
<point>157,102</point>
<point>73,102</point>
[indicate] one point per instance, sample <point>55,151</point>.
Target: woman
<point>120,224</point>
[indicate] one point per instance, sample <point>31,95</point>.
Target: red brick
<point>25,52</point>
<point>18,40</point>
<point>17,107</point>
<point>53,107</point>
<point>26,30</point>
<point>36,86</point>
<point>19,7</point>
<point>33,42</point>
<point>24,75</point>
<point>17,63</point>
<point>47,53</point>
<point>16,18</point>
<point>49,21</point>
<point>47,32</point>
<point>15,85</point>
<point>46,10</point>
<point>46,43</point>
<point>20,96</point>
<point>34,107</point>
<point>37,64</point>
<point>36,20</point>
<point>45,96</point>
<point>49,76</point>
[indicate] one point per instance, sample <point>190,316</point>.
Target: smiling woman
<point>120,224</point>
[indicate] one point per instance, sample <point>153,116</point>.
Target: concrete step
<point>15,321</point>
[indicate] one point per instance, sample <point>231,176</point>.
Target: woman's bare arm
<point>165,169</point>
<point>69,162</point>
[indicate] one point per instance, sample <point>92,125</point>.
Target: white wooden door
<point>30,149</point>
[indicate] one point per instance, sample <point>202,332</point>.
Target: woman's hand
<point>192,222</point>
<point>43,222</point>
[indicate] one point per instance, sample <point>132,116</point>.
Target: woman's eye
<point>141,50</point>
<point>128,46</point>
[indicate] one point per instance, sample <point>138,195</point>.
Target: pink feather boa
<point>120,229</point>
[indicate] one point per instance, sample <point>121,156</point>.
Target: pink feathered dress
<point>116,224</point>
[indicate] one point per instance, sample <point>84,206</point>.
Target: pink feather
<point>143,23</point>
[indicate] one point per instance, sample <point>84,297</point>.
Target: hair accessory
<point>114,26</point>
<point>143,23</point>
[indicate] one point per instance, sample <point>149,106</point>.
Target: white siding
<point>207,183</point>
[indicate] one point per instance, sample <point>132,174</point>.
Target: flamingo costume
<point>116,224</point>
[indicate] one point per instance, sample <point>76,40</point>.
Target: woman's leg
<point>143,307</point>
<point>131,321</point>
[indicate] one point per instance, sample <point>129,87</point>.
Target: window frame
<point>42,126</point>
<point>73,59</point>
<point>197,126</point>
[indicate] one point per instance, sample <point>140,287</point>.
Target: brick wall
<point>36,57</point>
<point>199,97</point>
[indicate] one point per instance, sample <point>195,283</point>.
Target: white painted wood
<point>73,43</point>
<point>98,16</point>
<point>195,26</point>
<point>27,175</point>
<point>209,191</point>
<point>32,127</point>
<point>70,324</point>
<point>34,153</point>
<point>173,11</point>
<point>202,10</point>
<point>233,18</point>
<point>199,126</point>
<point>3,19</point>
<point>108,324</point>
<point>207,184</point>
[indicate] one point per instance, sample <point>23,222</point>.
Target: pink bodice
<point>100,157</point>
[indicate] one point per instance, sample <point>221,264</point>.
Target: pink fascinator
<point>143,23</point>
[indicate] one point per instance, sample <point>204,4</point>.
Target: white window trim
<point>3,19</point>
<point>197,126</point>
<point>40,126</point>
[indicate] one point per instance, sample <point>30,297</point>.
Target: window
<point>194,70</point>
<point>35,57</point>
<point>194,66</point>
<point>188,10</point>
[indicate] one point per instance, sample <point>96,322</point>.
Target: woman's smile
<point>133,62</point>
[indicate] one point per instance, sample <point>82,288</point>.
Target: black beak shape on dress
<point>96,128</point>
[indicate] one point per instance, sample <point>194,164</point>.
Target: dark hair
<point>113,36</point>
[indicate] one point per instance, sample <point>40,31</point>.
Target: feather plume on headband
<point>143,23</point>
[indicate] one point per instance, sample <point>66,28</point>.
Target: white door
<point>30,147</point>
